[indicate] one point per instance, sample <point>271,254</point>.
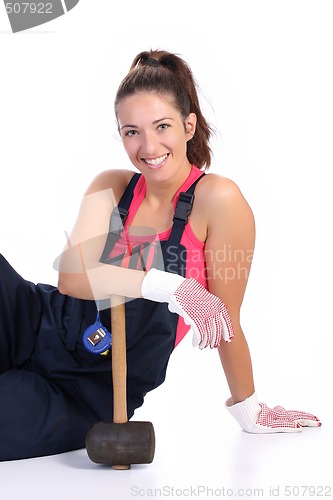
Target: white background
<point>265,74</point>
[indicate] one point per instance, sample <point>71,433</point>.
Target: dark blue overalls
<point>52,390</point>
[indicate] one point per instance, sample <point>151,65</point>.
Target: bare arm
<point>81,274</point>
<point>229,249</point>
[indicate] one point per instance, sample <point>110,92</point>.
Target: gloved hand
<point>207,316</point>
<point>257,418</point>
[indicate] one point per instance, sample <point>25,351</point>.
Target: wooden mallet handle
<point>119,368</point>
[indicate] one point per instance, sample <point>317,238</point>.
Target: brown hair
<point>166,73</point>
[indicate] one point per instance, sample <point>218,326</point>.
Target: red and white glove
<point>207,316</point>
<point>257,418</point>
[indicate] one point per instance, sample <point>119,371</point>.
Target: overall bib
<point>52,390</point>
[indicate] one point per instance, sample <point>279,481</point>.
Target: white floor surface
<point>219,464</point>
<point>200,451</point>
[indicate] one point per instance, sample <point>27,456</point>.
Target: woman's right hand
<point>204,312</point>
<point>258,418</point>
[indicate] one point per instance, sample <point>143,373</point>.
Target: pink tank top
<point>195,260</point>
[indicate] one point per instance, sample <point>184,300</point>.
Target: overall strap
<point>118,217</point>
<point>127,196</point>
<point>182,212</point>
<point>121,210</point>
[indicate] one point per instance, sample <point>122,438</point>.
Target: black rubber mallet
<point>120,443</point>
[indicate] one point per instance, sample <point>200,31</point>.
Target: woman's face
<point>155,134</point>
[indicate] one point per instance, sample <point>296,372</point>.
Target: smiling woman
<point>154,134</point>
<point>156,237</point>
<point>169,77</point>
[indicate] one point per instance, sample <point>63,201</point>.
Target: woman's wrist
<point>159,285</point>
<point>246,412</point>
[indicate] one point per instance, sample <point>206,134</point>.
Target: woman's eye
<point>163,126</point>
<point>130,133</point>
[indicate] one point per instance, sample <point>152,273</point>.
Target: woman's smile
<point>155,163</point>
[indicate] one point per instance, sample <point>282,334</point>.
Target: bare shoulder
<point>218,194</point>
<point>116,180</point>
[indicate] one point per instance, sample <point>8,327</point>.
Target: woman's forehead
<point>147,104</point>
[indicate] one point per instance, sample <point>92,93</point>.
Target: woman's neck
<point>160,193</point>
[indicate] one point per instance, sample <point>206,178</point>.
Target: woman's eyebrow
<point>154,122</point>
<point>129,125</point>
<point>162,119</point>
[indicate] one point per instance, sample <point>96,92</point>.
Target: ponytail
<point>166,73</point>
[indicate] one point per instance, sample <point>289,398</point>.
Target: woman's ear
<point>190,125</point>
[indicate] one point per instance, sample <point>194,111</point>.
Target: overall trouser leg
<point>45,405</point>
<point>20,312</point>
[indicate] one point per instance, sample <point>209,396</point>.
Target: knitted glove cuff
<point>159,286</point>
<point>246,412</point>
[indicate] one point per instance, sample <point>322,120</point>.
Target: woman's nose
<point>149,145</point>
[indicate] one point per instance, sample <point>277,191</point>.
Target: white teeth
<point>156,161</point>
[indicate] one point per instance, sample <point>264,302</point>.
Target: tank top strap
<point>194,175</point>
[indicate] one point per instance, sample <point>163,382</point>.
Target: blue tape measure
<point>96,338</point>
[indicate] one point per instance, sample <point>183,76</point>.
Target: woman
<point>164,250</point>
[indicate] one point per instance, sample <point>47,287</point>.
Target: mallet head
<point>121,445</point>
